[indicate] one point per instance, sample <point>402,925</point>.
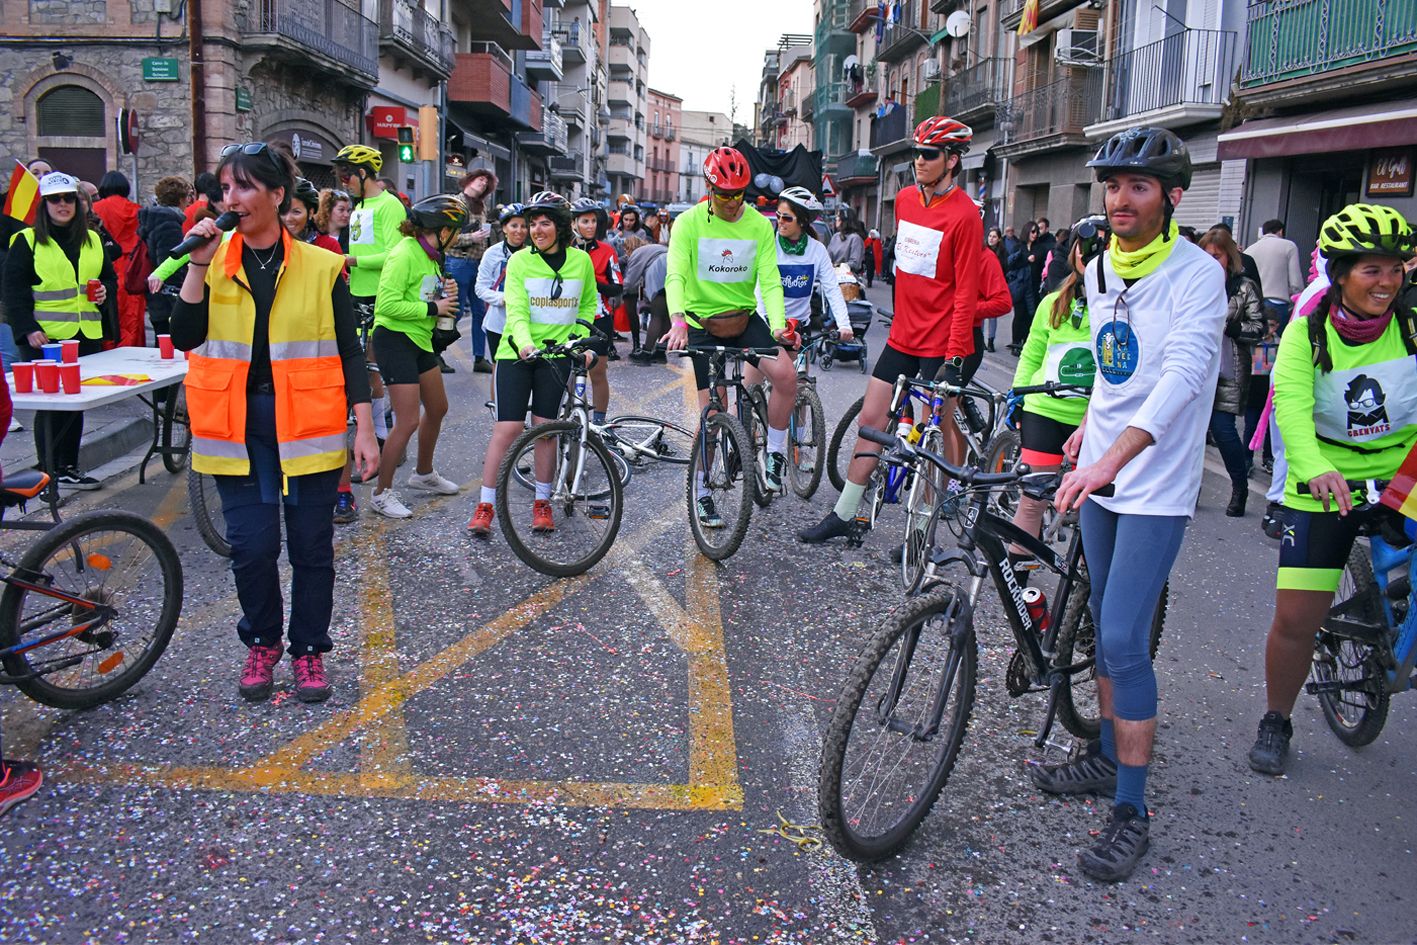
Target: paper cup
<point>164,345</point>
<point>24,376</point>
<point>53,351</point>
<point>46,375</point>
<point>69,377</point>
<point>71,351</point>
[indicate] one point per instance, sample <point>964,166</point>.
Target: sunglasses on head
<point>929,154</point>
<point>728,196</point>
<point>62,198</point>
<point>253,148</point>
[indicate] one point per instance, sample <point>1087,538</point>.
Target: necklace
<point>269,259</point>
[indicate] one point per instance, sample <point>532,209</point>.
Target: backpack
<point>140,266</point>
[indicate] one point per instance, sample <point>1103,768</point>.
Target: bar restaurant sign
<point>1390,173</point>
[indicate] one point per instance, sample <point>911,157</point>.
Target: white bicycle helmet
<point>801,197</point>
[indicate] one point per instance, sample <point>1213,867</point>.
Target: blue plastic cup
<point>53,351</point>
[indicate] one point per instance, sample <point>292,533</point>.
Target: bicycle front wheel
<point>583,488</point>
<point>649,438</point>
<point>807,444</point>
<point>843,444</point>
<point>756,425</point>
<point>108,594</point>
<point>927,488</point>
<point>898,726</point>
<point>1351,682</point>
<point>721,471</point>
<point>205,503</point>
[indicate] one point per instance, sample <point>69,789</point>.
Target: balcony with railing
<point>830,100</point>
<point>864,16</point>
<point>1179,80</point>
<point>511,24</point>
<point>483,84</point>
<point>861,94</point>
<point>891,132</point>
<point>550,140</point>
<point>833,34</point>
<point>576,40</point>
<point>326,34</point>
<point>573,108</point>
<point>1312,39</point>
<point>1049,116</point>
<point>858,168</point>
<point>1011,11</point>
<point>901,37</point>
<point>568,167</point>
<point>972,94</point>
<point>410,33</point>
<point>545,63</point>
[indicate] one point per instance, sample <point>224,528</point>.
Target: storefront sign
<point>243,99</point>
<point>384,121</point>
<point>156,69</point>
<point>1390,173</point>
<point>307,146</point>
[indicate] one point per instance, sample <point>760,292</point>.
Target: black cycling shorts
<point>599,343</point>
<point>1043,435</point>
<point>401,361</point>
<point>1314,546</point>
<point>539,384</point>
<point>894,363</point>
<point>755,335</point>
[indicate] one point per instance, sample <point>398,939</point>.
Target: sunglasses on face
<point>728,196</point>
<point>62,198</point>
<point>929,154</point>
<point>786,218</point>
<point>253,148</point>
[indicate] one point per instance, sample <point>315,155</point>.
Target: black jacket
<point>160,229</point>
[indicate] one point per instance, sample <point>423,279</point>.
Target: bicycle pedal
<point>598,512</point>
<point>857,535</point>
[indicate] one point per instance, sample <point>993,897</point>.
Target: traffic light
<point>428,136</point>
<point>406,144</point>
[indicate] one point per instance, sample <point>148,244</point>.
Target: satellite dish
<point>958,23</point>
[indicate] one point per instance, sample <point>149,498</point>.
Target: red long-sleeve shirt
<point>994,297</point>
<point>938,268</point>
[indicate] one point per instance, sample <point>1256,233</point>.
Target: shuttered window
<point>71,111</point>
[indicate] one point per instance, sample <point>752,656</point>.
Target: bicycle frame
<point>102,613</point>
<point>1399,651</point>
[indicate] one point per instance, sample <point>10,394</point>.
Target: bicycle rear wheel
<point>649,438</point>
<point>1001,453</point>
<point>176,430</point>
<point>889,749</point>
<point>1351,682</point>
<point>720,462</point>
<point>586,497</point>
<point>113,574</point>
<point>807,442</point>
<point>205,503</point>
<point>756,426</point>
<point>843,439</point>
<point>1078,709</point>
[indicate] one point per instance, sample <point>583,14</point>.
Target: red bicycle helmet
<point>727,169</point>
<point>942,131</point>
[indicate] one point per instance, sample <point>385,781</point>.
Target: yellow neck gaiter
<point>1144,261</point>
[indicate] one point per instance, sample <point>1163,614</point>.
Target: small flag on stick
<point>1401,491</point>
<point>22,200</point>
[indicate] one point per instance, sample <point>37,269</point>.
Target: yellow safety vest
<point>61,304</point>
<point>311,404</point>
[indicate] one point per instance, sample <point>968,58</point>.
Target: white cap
<point>57,183</point>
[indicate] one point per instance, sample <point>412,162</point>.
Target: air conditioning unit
<point>1077,48</point>
<point>930,70</point>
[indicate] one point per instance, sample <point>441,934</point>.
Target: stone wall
<point>68,12</point>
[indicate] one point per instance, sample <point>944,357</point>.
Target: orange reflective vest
<point>311,405</point>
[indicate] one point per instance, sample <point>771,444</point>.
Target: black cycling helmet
<point>1153,151</point>
<point>551,204</point>
<point>307,194</point>
<point>1091,233</point>
<point>438,211</point>
<point>509,211</point>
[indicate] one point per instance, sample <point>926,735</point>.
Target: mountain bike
<point>897,728</point>
<point>1366,650</point>
<point>89,607</point>
<point>729,461</point>
<point>806,428</point>
<point>586,490</point>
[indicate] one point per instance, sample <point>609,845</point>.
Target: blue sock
<point>1131,786</point>
<point>597,416</point>
<point>1109,741</point>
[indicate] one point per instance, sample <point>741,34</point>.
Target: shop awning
<point>1342,129</point>
<point>979,150</point>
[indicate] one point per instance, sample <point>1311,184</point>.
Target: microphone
<point>226,222</point>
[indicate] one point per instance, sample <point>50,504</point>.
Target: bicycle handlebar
<point>1052,389</point>
<point>704,351</point>
<point>968,475</point>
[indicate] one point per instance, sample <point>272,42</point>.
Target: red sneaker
<point>18,780</point>
<point>257,676</point>
<point>310,682</point>
<point>481,522</point>
<point>541,520</point>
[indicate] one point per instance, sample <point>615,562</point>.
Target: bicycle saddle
<point>19,487</point>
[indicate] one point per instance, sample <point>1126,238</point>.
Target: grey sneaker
<point>708,515</point>
<point>1093,773</point>
<point>1119,848</point>
<point>1271,749</point>
<point>776,466</point>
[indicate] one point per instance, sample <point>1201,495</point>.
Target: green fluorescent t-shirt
<point>1062,355</point>
<point>715,266</point>
<point>373,232</point>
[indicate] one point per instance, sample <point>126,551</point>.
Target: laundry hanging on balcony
<point>1029,21</point>
<point>880,21</point>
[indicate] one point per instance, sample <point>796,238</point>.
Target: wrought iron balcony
<point>550,140</point>
<point>855,168</point>
<point>1297,38</point>
<point>323,33</point>
<point>1049,116</point>
<point>890,131</point>
<point>1188,71</point>
<point>902,37</point>
<point>973,93</point>
<point>411,32</point>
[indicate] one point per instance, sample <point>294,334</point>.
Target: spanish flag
<point>22,200</point>
<point>1401,491</point>
<point>1029,21</point>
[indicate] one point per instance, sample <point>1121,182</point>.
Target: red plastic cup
<point>24,376</point>
<point>164,345</point>
<point>46,375</point>
<point>69,377</point>
<point>70,351</point>
<point>91,290</point>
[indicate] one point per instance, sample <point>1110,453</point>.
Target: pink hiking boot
<point>310,682</point>
<point>257,677</point>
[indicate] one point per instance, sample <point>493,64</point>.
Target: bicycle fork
<point>960,630</point>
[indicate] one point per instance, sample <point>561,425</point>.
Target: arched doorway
<point>72,131</point>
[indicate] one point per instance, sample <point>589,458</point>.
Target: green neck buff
<point>1143,262</point>
<point>793,247</point>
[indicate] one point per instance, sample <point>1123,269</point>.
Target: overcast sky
<point>699,50</point>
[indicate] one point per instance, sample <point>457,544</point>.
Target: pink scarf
<point>1359,331</point>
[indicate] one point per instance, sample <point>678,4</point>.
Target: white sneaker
<point>387,504</point>
<point>432,482</point>
<point>16,426</point>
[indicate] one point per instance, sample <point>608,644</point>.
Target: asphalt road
<point>513,759</point>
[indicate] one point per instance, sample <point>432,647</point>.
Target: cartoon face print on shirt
<point>1367,415</point>
<point>1118,352</point>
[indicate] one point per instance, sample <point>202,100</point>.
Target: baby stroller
<point>860,312</point>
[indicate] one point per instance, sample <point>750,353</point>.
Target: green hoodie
<point>408,286</point>
<point>373,232</point>
<point>538,310</point>
<point>1063,355</point>
<point>715,266</point>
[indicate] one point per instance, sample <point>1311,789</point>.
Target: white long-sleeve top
<point>799,275</point>
<point>489,286</point>
<point>1157,344</point>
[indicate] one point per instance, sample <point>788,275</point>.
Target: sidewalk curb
<point>113,440</point>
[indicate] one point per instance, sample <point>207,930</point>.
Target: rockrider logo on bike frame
<point>1015,592</point>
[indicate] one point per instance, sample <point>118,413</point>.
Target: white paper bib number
<point>726,260</point>
<point>553,303</point>
<point>917,249</point>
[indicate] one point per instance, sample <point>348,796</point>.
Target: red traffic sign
<point>128,136</point>
<point>828,188</point>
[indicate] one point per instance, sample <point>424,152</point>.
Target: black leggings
<point>632,308</point>
<point>66,427</point>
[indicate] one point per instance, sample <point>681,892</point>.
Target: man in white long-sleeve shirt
<point>1157,306</point>
<point>1277,259</point>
